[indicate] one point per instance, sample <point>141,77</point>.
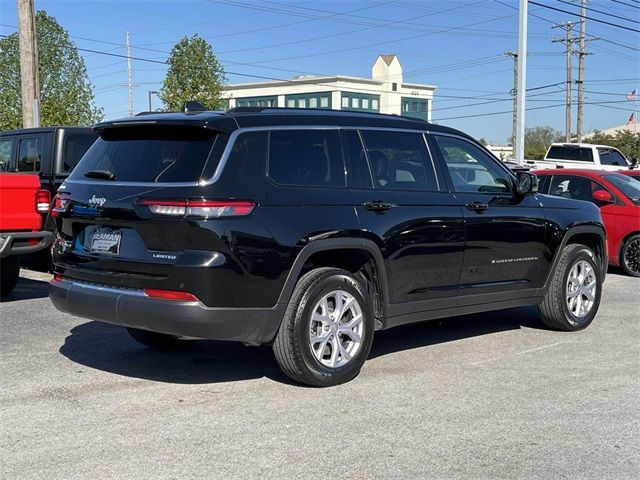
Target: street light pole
<point>522,82</point>
<point>151,92</point>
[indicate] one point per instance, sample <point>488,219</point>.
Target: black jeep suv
<point>309,230</point>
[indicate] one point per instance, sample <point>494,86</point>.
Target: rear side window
<point>155,154</point>
<point>74,147</point>
<point>30,154</point>
<point>399,160</point>
<point>306,157</point>
<point>556,152</point>
<point>5,154</point>
<point>579,154</point>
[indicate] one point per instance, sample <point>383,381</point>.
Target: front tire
<point>157,341</point>
<point>9,273</point>
<point>573,297</point>
<point>630,256</point>
<point>327,330</point>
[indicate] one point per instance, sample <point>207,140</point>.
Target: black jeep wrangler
<point>309,230</point>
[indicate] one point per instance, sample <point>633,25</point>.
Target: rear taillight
<point>199,208</point>
<point>61,204</point>
<point>43,201</point>
<point>170,295</point>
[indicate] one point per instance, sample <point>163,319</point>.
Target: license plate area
<point>106,241</point>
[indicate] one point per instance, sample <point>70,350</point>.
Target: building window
<point>394,87</point>
<point>415,108</point>
<point>360,102</point>
<point>257,102</point>
<point>308,100</point>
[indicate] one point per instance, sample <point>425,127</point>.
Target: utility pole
<point>129,75</point>
<point>29,74</point>
<point>581,54</point>
<point>522,81</point>
<point>514,126</point>
<point>567,40</point>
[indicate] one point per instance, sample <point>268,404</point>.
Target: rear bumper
<point>17,243</point>
<point>133,308</point>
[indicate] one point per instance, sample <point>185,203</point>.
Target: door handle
<point>477,206</point>
<point>377,206</point>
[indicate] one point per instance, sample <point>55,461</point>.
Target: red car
<point>635,173</point>
<point>618,197</point>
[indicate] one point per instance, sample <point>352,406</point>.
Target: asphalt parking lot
<point>482,396</point>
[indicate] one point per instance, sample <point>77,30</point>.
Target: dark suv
<point>309,230</point>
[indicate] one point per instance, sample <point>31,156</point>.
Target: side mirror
<point>602,196</point>
<point>527,183</point>
<point>634,161</point>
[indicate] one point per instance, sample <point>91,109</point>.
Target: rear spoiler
<point>211,121</point>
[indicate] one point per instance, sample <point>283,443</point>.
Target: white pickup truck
<point>581,155</point>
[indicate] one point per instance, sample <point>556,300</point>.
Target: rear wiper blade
<point>103,174</point>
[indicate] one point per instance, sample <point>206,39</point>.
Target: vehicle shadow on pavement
<point>27,289</point>
<point>454,328</point>
<point>110,348</point>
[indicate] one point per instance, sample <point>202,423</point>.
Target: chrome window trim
<point>231,143</point>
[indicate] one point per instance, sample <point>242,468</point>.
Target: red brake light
<point>57,277</point>
<point>61,203</point>
<point>199,208</point>
<point>170,295</point>
<point>43,201</point>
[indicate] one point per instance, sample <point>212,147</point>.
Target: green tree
<point>624,140</point>
<point>66,95</point>
<point>194,74</point>
<point>537,141</point>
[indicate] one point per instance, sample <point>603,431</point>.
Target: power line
<point>585,17</point>
<point>599,11</point>
<point>627,4</point>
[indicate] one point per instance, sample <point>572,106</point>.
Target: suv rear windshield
<point>149,154</point>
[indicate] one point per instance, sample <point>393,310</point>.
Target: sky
<point>456,45</point>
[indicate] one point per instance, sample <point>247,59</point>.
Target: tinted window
<point>399,160</point>
<point>30,154</point>
<point>556,152</point>
<point>248,158</point>
<point>306,157</point>
<point>578,154</point>
<point>358,171</point>
<point>149,154</point>
<point>627,185</point>
<point>5,154</point>
<point>611,157</point>
<point>471,169</point>
<point>74,147</point>
<point>575,187</point>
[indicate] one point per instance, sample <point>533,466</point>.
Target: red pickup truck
<point>22,202</point>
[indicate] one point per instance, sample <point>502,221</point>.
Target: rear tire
<point>630,256</point>
<point>573,297</point>
<point>327,330</point>
<point>157,341</point>
<point>9,273</point>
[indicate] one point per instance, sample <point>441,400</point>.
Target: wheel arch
<point>358,256</point>
<point>593,236</point>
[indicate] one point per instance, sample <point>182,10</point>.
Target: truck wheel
<point>630,256</point>
<point>9,273</point>
<point>327,329</point>
<point>573,297</point>
<point>157,341</point>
